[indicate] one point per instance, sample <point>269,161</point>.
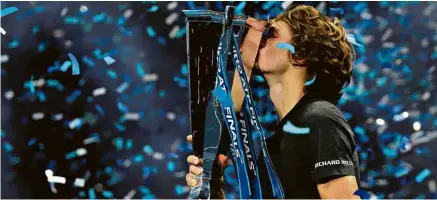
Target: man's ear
<point>297,61</point>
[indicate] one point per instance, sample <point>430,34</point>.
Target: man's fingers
<point>190,139</point>
<point>195,170</point>
<point>223,160</point>
<point>194,160</point>
<point>191,181</point>
<point>256,24</point>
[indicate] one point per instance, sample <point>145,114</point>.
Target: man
<point>313,149</point>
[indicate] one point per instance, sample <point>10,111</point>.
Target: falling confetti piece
<point>99,91</point>
<point>292,129</point>
<point>287,46</point>
<point>109,60</point>
<point>422,175</point>
<point>65,66</point>
<point>8,11</point>
<point>2,31</point>
<point>57,179</point>
<point>37,116</point>
<point>79,182</point>
<point>76,69</point>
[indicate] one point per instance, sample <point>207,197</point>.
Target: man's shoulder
<point>321,110</point>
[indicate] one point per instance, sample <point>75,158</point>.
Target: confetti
<point>37,116</point>
<point>8,11</point>
<point>150,77</point>
<point>2,31</point>
<point>99,91</point>
<point>287,46</point>
<point>130,194</point>
<point>109,60</point>
<point>65,66</point>
<point>292,129</point>
<point>422,175</point>
<point>76,123</point>
<point>4,58</point>
<point>57,179</point>
<point>76,69</point>
<point>9,95</point>
<point>79,182</point>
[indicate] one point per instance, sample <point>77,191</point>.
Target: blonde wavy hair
<point>321,43</point>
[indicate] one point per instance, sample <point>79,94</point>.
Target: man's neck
<point>286,89</point>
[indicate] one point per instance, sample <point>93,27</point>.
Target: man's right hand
<point>195,168</point>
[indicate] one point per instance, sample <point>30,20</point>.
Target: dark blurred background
<point>117,130</point>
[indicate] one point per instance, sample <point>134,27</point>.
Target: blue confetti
<point>109,60</point>
<point>35,29</point>
<point>31,86</point>
<point>179,190</point>
<point>31,142</point>
<point>71,20</point>
<point>351,39</point>
<point>88,61</point>
<point>422,175</point>
<point>70,99</point>
<point>362,194</point>
<point>240,7</point>
<point>8,11</point>
<point>147,149</point>
<point>76,69</point>
<point>65,66</point>
<point>112,74</point>
<point>310,81</point>
<point>140,70</point>
<point>287,46</point>
<point>336,11</point>
<point>119,143</point>
<point>129,144</point>
<point>91,193</point>
<point>150,31</point>
<point>154,8</point>
<point>292,129</point>
<point>171,166</point>
<point>107,194</point>
<point>99,17</point>
<point>14,44</point>
<point>8,147</point>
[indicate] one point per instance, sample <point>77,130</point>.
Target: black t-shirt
<point>313,144</point>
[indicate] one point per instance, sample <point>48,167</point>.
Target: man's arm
<point>339,188</point>
<point>249,50</point>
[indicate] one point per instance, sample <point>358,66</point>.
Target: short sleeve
<point>331,147</point>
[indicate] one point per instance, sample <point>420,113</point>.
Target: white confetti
<point>150,77</point>
<point>174,31</point>
<point>49,173</point>
<point>130,194</point>
<point>132,116</point>
<point>171,116</point>
<point>180,174</point>
<point>128,13</point>
<point>79,182</point>
<point>380,121</point>
<point>81,152</point>
<point>68,44</point>
<point>58,33</point>
<point>58,117</point>
<point>75,123</point>
<point>83,8</point>
<point>9,95</point>
<point>64,11</point>
<point>366,15</point>
<point>426,96</point>
<point>172,5</point>
<point>432,186</point>
<point>39,83</point>
<point>99,91</point>
<point>417,126</point>
<point>57,179</point>
<point>158,156</point>
<point>388,45</point>
<point>386,34</point>
<point>2,31</point>
<point>4,58</point>
<point>171,18</point>
<point>285,4</point>
<point>109,60</point>
<point>91,140</point>
<point>38,116</point>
